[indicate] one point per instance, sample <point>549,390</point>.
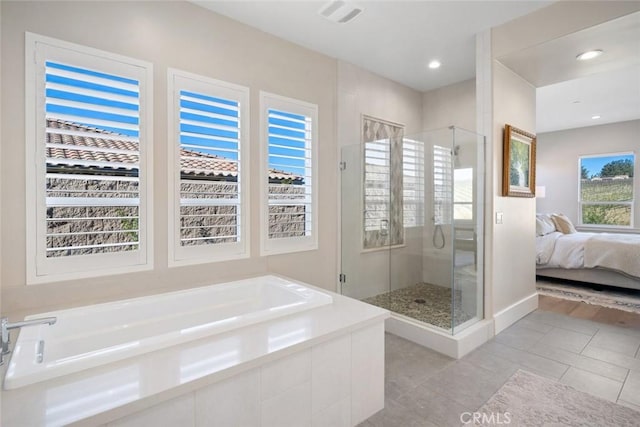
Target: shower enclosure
<point>412,224</point>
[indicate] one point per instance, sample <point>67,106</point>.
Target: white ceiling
<point>395,39</point>
<point>571,92</point>
<point>614,96</point>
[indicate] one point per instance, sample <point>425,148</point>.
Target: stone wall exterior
<point>115,228</point>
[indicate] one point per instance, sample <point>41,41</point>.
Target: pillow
<point>563,224</point>
<point>544,225</point>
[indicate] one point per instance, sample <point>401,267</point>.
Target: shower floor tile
<point>424,302</point>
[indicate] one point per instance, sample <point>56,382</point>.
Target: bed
<point>611,259</point>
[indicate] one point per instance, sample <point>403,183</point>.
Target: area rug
<point>626,301</point>
<point>529,400</point>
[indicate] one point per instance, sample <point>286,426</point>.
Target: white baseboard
<point>510,315</point>
<point>455,346</point>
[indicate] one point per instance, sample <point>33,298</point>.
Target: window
<point>88,161</point>
<point>413,182</point>
<point>463,194</point>
<point>377,186</point>
<point>208,125</point>
<point>383,184</point>
<point>606,189</point>
<point>289,210</point>
<point>442,184</point>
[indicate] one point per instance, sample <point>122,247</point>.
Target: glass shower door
<point>364,228</point>
<point>468,220</point>
<point>421,269</point>
<point>411,226</point>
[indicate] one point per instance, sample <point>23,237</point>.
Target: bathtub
<point>95,335</point>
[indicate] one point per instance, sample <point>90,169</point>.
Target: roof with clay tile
<point>105,149</point>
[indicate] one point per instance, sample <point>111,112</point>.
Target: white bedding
<point>544,247</point>
<point>619,252</point>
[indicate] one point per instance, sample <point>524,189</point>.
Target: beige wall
<point>453,105</point>
<point>507,98</point>
<point>558,154</point>
<point>168,34</point>
<point>361,92</point>
<point>513,256</point>
<point>217,47</point>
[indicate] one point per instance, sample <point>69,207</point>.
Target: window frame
<point>179,255</point>
<point>285,245</point>
<point>39,268</point>
<point>631,202</point>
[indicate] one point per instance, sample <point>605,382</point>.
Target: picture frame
<point>519,163</point>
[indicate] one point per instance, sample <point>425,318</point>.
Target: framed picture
<point>519,163</point>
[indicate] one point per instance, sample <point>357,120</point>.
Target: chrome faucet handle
<point>4,322</point>
<point>5,327</point>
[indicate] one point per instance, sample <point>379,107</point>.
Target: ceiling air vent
<point>340,11</point>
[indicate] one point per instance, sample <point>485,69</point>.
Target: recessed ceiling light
<point>596,117</point>
<point>434,64</point>
<point>590,54</point>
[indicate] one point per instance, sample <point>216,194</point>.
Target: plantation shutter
<point>210,183</point>
<point>442,185</point>
<point>93,161</point>
<point>290,175</point>
<point>413,182</point>
<point>288,149</point>
<point>377,185</point>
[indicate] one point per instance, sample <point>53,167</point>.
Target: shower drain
<point>420,301</point>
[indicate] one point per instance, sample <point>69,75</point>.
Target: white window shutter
<point>289,182</point>
<point>88,161</point>
<point>442,185</point>
<point>209,133</point>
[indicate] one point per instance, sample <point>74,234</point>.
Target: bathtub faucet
<point>5,327</point>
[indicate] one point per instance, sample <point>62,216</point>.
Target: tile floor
<point>425,388</point>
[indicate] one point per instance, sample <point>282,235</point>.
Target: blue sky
<point>210,141</point>
<point>72,93</point>
<point>594,164</point>
<point>288,142</point>
<point>70,89</point>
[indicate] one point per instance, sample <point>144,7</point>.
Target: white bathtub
<point>95,335</point>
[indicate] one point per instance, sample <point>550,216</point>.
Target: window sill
<point>33,279</point>
<point>288,249</point>
<point>212,259</point>
<point>383,248</point>
<point>607,229</point>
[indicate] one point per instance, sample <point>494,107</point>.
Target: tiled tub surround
<point>323,366</point>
